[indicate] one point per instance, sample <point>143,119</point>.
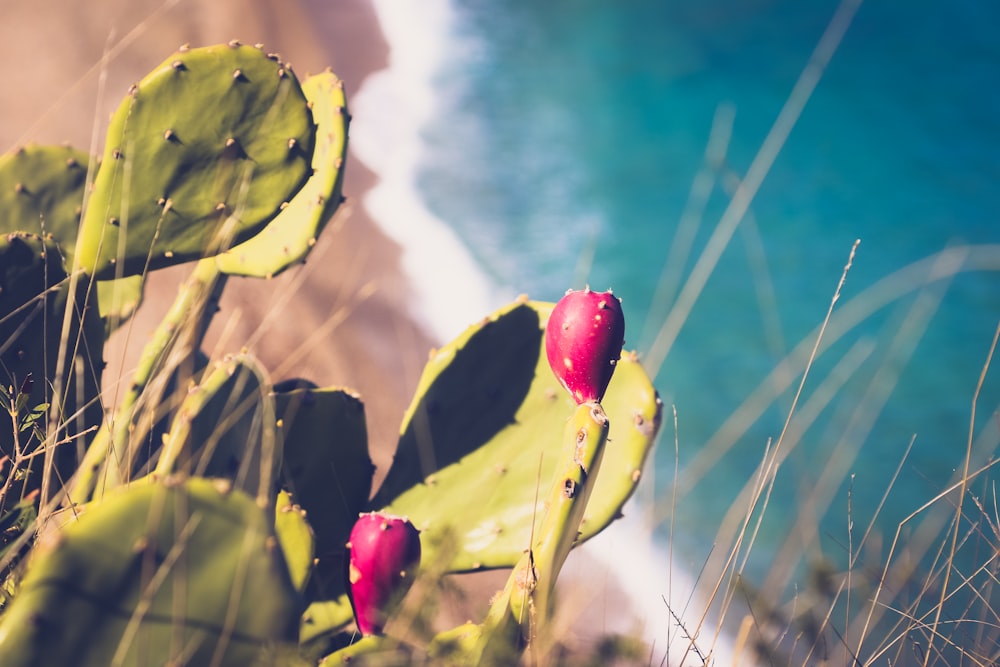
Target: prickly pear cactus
<point>183,571</point>
<point>327,469</point>
<point>287,239</point>
<point>200,155</point>
<point>41,192</point>
<point>483,433</point>
<point>226,427</point>
<point>219,155</point>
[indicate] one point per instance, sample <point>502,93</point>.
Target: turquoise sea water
<point>563,146</point>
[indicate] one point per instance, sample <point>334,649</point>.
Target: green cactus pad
<point>42,191</point>
<point>200,155</point>
<point>296,539</point>
<point>33,295</point>
<point>289,237</point>
<point>523,608</point>
<point>481,439</point>
<point>327,469</point>
<point>323,623</point>
<point>635,410</point>
<point>452,646</point>
<point>176,572</point>
<point>577,472</point>
<point>225,427</point>
<point>117,300</point>
<point>373,650</point>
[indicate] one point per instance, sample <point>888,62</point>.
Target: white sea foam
<point>635,567</point>
<point>389,111</point>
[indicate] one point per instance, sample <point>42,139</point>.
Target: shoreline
<point>450,289</point>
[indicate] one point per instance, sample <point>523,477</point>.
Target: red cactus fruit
<point>383,556</point>
<point>583,342</point>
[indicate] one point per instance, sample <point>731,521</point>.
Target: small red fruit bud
<point>383,556</point>
<point>583,342</point>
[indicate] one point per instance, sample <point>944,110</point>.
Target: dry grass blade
<point>964,482</point>
<point>747,190</point>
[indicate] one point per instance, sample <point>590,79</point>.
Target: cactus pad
<point>225,427</point>
<point>178,572</point>
<point>42,191</point>
<point>117,300</point>
<point>523,607</point>
<point>200,155</point>
<point>483,434</point>
<point>287,239</point>
<point>327,469</point>
<point>296,539</point>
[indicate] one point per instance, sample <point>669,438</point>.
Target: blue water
<point>563,147</point>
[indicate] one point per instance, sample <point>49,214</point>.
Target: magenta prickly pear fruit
<point>583,342</point>
<point>383,556</point>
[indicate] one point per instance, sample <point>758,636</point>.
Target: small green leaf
<point>296,538</point>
